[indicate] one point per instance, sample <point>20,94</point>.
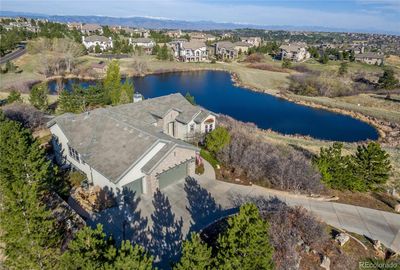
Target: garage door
<point>173,175</point>
<point>135,186</point>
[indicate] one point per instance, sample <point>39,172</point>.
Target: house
<point>370,58</point>
<point>92,41</point>
<point>89,29</point>
<point>138,146</point>
<point>198,36</point>
<point>146,43</point>
<point>144,33</point>
<point>74,25</point>
<point>210,38</point>
<point>225,50</point>
<point>174,33</point>
<point>100,67</point>
<point>294,52</point>
<point>192,51</point>
<point>253,41</point>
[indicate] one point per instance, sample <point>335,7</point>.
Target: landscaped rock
<point>342,238</point>
<point>397,208</point>
<point>326,263</point>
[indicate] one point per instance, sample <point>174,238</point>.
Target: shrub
<point>255,58</point>
<point>27,115</point>
<point>217,139</point>
<point>286,63</point>
<point>266,164</point>
<point>14,96</point>
<point>75,178</point>
<point>199,169</point>
<point>210,158</point>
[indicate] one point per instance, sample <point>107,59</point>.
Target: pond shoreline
<point>384,129</point>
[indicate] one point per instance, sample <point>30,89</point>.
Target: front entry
<point>173,175</point>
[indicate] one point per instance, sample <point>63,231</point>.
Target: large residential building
<point>192,51</point>
<point>253,41</point>
<point>139,146</point>
<point>370,58</point>
<point>89,29</point>
<point>91,42</point>
<point>294,52</point>
<point>146,43</point>
<point>174,33</point>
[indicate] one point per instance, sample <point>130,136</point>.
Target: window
<point>191,127</point>
<point>73,153</point>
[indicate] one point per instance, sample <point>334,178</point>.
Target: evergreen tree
<point>28,230</point>
<point>127,91</point>
<point>163,54</point>
<point>90,249</point>
<point>112,83</point>
<point>246,244</point>
<point>343,68</point>
<point>337,171</point>
<point>388,80</point>
<point>324,59</point>
<point>38,97</point>
<point>195,255</point>
<point>286,63</point>
<point>372,165</point>
<point>131,257</point>
<point>190,98</point>
<point>217,139</point>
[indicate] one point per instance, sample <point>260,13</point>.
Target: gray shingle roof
<point>112,140</point>
<point>97,38</point>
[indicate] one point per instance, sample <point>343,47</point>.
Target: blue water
<point>214,90</point>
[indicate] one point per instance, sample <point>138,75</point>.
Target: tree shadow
<point>165,233</point>
<point>202,207</point>
<point>123,221</point>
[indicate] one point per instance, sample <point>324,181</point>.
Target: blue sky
<point>382,15</point>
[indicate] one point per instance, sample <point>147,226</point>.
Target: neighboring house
<point>192,51</point>
<point>146,43</point>
<point>370,58</point>
<point>225,50</point>
<point>210,37</point>
<point>92,41</point>
<point>253,41</point>
<point>100,67</point>
<point>294,52</point>
<point>137,146</point>
<point>74,25</point>
<point>174,33</point>
<point>89,29</point>
<point>144,33</point>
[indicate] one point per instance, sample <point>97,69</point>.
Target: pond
<point>215,91</point>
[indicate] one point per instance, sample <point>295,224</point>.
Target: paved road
<point>13,55</point>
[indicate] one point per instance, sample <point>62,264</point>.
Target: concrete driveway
<point>191,205</point>
<point>377,225</point>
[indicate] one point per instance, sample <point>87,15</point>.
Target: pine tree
<point>388,80</point>
<point>112,83</point>
<point>372,165</point>
<point>91,249</point>
<point>28,230</point>
<point>195,255</point>
<point>131,257</point>
<point>38,97</point>
<point>127,90</point>
<point>246,244</point>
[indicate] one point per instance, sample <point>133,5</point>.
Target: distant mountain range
<point>156,23</point>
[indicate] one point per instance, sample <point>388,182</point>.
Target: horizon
<point>373,16</point>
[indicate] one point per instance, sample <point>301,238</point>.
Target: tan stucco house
<point>139,146</point>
